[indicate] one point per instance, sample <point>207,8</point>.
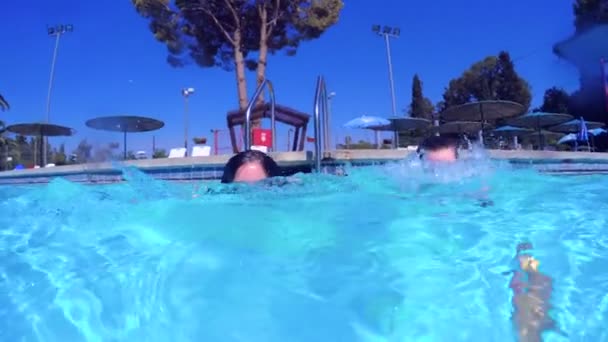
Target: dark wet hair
<point>436,143</point>
<point>268,164</point>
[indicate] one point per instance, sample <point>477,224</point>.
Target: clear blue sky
<point>112,65</point>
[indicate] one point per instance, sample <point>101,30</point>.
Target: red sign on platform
<point>262,137</point>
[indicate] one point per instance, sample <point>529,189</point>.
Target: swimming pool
<point>388,253</point>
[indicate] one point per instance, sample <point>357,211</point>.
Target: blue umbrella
<point>597,131</point>
<point>368,122</point>
<point>567,138</point>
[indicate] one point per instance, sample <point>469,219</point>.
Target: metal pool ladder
<point>258,91</point>
<point>320,108</point>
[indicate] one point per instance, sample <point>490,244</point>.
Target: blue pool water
<point>389,253</point>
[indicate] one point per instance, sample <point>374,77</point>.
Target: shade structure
<point>573,126</point>
<point>125,124</point>
<point>286,115</point>
<point>41,130</point>
<point>460,127</point>
<point>483,111</point>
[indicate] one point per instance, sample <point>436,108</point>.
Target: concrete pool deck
<point>198,168</point>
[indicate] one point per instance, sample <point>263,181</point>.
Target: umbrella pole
<point>124,145</point>
<point>396,139</point>
<point>483,117</point>
<point>41,147</point>
<point>377,138</point>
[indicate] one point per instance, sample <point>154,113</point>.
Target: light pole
<point>186,92</point>
<point>389,32</point>
<point>327,138</point>
<point>56,31</point>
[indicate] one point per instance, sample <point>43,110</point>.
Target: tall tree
<point>83,151</point>
<point>421,107</point>
<point>493,78</point>
<point>4,104</point>
<point>236,34</point>
<point>59,157</point>
<point>509,85</point>
<point>588,13</point>
<point>555,100</point>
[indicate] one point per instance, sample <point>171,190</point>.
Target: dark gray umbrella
<point>483,111</point>
<point>403,124</point>
<point>41,130</point>
<point>460,127</point>
<point>538,120</point>
<point>408,124</point>
<point>125,124</point>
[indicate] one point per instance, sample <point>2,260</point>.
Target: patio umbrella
<point>541,137</point>
<point>367,122</point>
<point>41,130</point>
<point>574,126</point>
<point>460,127</point>
<point>597,131</point>
<point>512,132</point>
<point>538,121</point>
<point>409,123</point>
<point>405,124</point>
<point>374,123</point>
<point>125,124</point>
<point>567,138</point>
<point>483,111</point>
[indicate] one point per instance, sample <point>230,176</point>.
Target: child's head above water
<point>249,166</point>
<point>439,149</point>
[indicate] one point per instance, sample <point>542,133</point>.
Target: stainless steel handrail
<point>258,91</point>
<point>320,106</point>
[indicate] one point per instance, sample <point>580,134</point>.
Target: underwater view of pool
<point>387,253</point>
